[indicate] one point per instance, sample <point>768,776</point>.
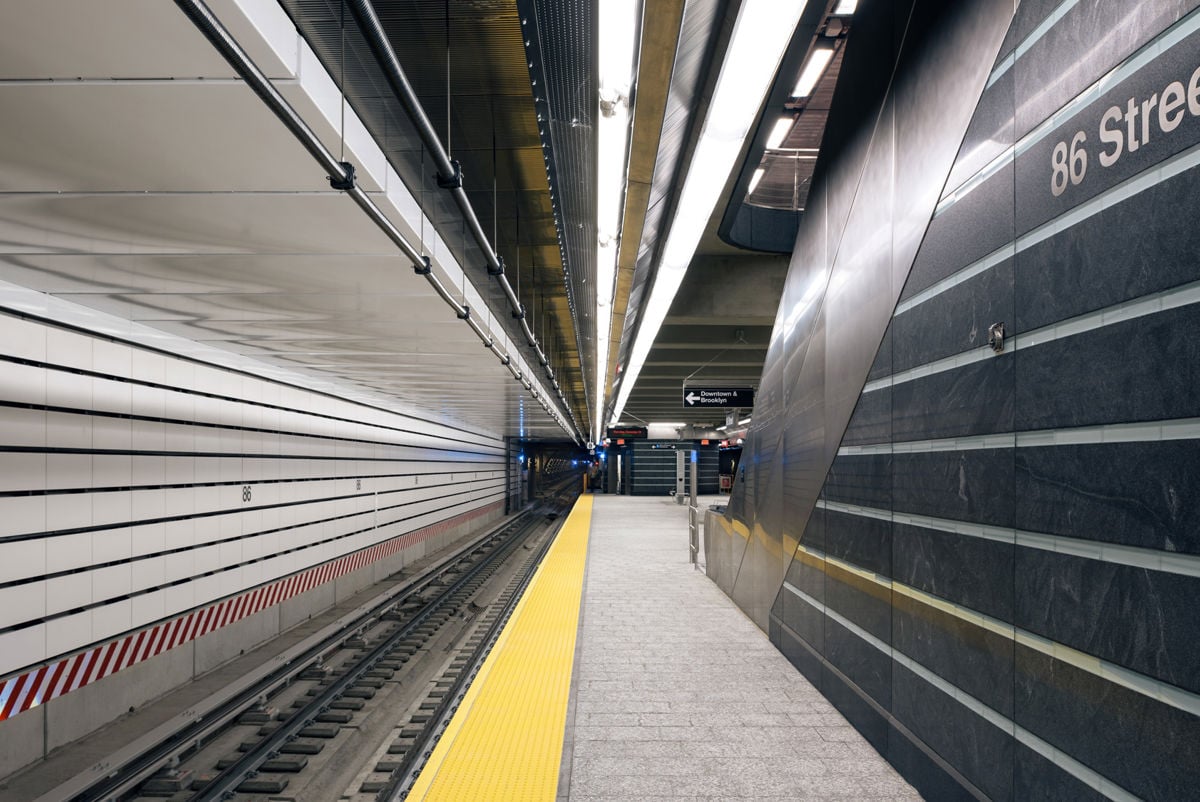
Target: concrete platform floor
<point>680,696</point>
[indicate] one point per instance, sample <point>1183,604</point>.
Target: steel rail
<point>200,723</point>
<point>226,783</point>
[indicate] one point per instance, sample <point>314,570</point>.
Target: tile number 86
<point>245,492</point>
<point>1068,164</point>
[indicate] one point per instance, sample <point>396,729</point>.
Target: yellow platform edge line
<point>505,741</point>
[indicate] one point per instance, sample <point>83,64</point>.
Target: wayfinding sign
<point>718,397</point>
<point>627,432</point>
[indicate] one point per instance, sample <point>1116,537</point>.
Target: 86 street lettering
<point>1124,129</point>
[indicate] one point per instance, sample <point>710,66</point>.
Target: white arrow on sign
<point>691,398</point>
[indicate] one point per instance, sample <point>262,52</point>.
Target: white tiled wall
<point>86,444</point>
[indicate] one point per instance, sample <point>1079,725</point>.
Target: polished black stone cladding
<point>1143,369</point>
<point>1035,200</point>
<point>1067,59</point>
<point>864,665</point>
<point>971,743</point>
<point>958,321</point>
<point>973,485</point>
<point>968,656</point>
<point>1141,619</point>
<point>1038,780</point>
<point>860,479</point>
<point>968,571</point>
<point>1144,244</point>
<point>860,601</point>
<point>1139,494</point>
<point>872,419</point>
<point>1148,747</point>
<point>974,399</point>
<point>864,542</point>
<point>972,228</point>
<point>976,503</point>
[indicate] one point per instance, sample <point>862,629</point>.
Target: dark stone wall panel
<point>798,652</point>
<point>1030,14</point>
<point>928,776</point>
<point>882,366</point>
<point>975,746</point>
<point>1090,39</point>
<point>863,664</point>
<point>863,479</point>
<point>989,134</point>
<point>961,652</point>
<point>969,571</point>
<point>974,399</point>
<point>801,617</point>
<point>1146,746</point>
<point>1141,619</point>
<point>864,542</point>
<point>1144,244</point>
<point>872,419</point>
<point>866,718</point>
<point>1035,200</point>
<point>972,228</point>
<point>1036,779</point>
<point>959,485</point>
<point>1136,370</point>
<point>860,601</point>
<point>1138,494</point>
<point>955,321</point>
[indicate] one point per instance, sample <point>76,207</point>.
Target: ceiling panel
<point>187,207</point>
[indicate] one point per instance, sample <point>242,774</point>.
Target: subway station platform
<point>673,692</point>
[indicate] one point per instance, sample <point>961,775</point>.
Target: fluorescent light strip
<point>754,179</point>
<point>1064,761</point>
<point>618,26</point>
<point>761,33</point>
<point>1174,298</point>
<point>814,68</point>
<point>779,132</point>
<point>1139,683</point>
<point>1102,551</point>
<point>1142,432</point>
<point>1163,171</point>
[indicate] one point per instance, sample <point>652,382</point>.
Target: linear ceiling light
<point>814,68</point>
<point>754,179</point>
<point>846,8</point>
<point>779,132</point>
<point>618,25</point>
<point>761,34</point>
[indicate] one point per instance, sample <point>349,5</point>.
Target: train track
<point>356,715</point>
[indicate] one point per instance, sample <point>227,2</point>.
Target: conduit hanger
<point>344,184</point>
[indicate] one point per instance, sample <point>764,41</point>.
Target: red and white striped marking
<point>41,684</point>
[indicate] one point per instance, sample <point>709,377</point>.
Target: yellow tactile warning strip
<point>506,740</point>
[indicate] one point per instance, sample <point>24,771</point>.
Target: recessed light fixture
<point>779,132</point>
<point>761,33</point>
<point>814,68</point>
<point>618,39</point>
<point>754,179</point>
<point>846,8</point>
